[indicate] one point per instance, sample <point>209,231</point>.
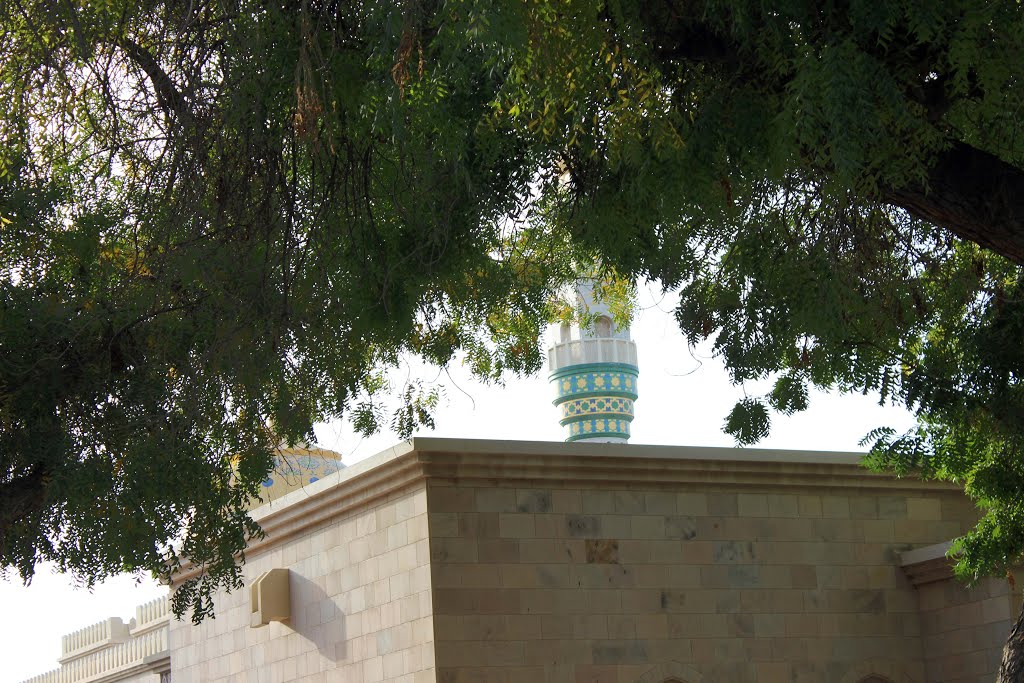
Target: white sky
<point>684,398</point>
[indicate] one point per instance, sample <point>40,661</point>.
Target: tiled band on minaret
<point>594,371</point>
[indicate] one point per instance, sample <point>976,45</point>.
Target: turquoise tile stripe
<point>588,429</point>
<point>596,383</point>
<point>598,406</point>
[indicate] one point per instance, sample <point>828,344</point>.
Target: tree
<point>228,215</point>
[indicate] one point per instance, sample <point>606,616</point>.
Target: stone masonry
<point>448,561</point>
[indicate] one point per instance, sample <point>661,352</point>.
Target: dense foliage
<point>219,216</point>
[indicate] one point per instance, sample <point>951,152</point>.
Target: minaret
<point>594,371</point>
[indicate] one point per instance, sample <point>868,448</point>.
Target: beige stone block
<point>647,526</point>
<point>660,503</point>
<point>522,627</point>
<point>478,524</point>
<point>493,551</point>
<point>535,576</point>
<point>672,576</point>
<point>583,526</point>
<point>592,673</point>
<point>358,550</point>
<point>447,575</point>
<point>386,515</point>
<point>783,505</point>
<point>549,601</point>
<point>378,542</point>
<point>958,508</point>
<point>652,626</point>
<point>481,653</point>
<point>879,530</point>
<point>548,526</point>
<point>835,507</point>
<point>722,504</point>
<point>629,502</point>
<point>790,528</point>
<point>615,526</point>
<point>996,609</point>
<point>453,550</point>
<point>864,507</point>
<point>557,627</point>
<point>809,506</point>
<point>422,552</point>
<point>553,653</point>
<point>411,505</point>
<point>901,601</point>
<point>373,669</point>
<point>366,524</point>
<point>397,535</point>
<point>774,672</point>
<point>417,528</point>
<point>689,527</point>
<point>524,674</point>
<point>924,509</point>
<point>547,551</point>
<point>407,557</point>
<point>423,630</point>
<point>533,500</point>
<point>598,502</point>
<point>830,530</point>
<point>804,576</point>
<point>769,625</point>
<point>892,507</point>
<point>886,577</point>
<point>925,531</point>
<point>451,499</point>
<point>387,564</point>
<point>501,601</point>
<point>855,577</point>
<point>516,525</point>
<point>777,601</point>
<point>752,504</point>
<point>715,650</point>
<point>692,504</point>
<point>493,499</point>
<point>619,652</point>
<point>802,625</point>
<point>566,501</point>
<point>673,552</point>
<point>454,601</point>
<point>621,627</point>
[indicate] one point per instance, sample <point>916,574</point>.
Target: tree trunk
<point>975,195</point>
<point>1011,669</point>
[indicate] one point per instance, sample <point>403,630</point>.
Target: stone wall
<point>566,575</point>
<point>360,591</point>
<point>964,629</point>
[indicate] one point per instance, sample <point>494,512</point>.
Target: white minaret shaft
<point>594,370</point>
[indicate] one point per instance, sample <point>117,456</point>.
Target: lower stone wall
<point>360,601</point>
<point>963,629</point>
<point>594,584</point>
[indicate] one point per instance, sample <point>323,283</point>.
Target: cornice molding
<point>410,465</point>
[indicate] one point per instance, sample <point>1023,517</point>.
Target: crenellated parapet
<point>113,650</point>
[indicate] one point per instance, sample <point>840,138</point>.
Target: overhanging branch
<point>975,195</point>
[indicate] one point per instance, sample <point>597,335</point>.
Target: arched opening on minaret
<point>603,326</point>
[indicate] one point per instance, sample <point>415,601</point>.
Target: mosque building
<point>590,561</point>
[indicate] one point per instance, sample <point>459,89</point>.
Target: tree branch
<point>20,498</point>
<point>975,195</point>
<point>167,94</point>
